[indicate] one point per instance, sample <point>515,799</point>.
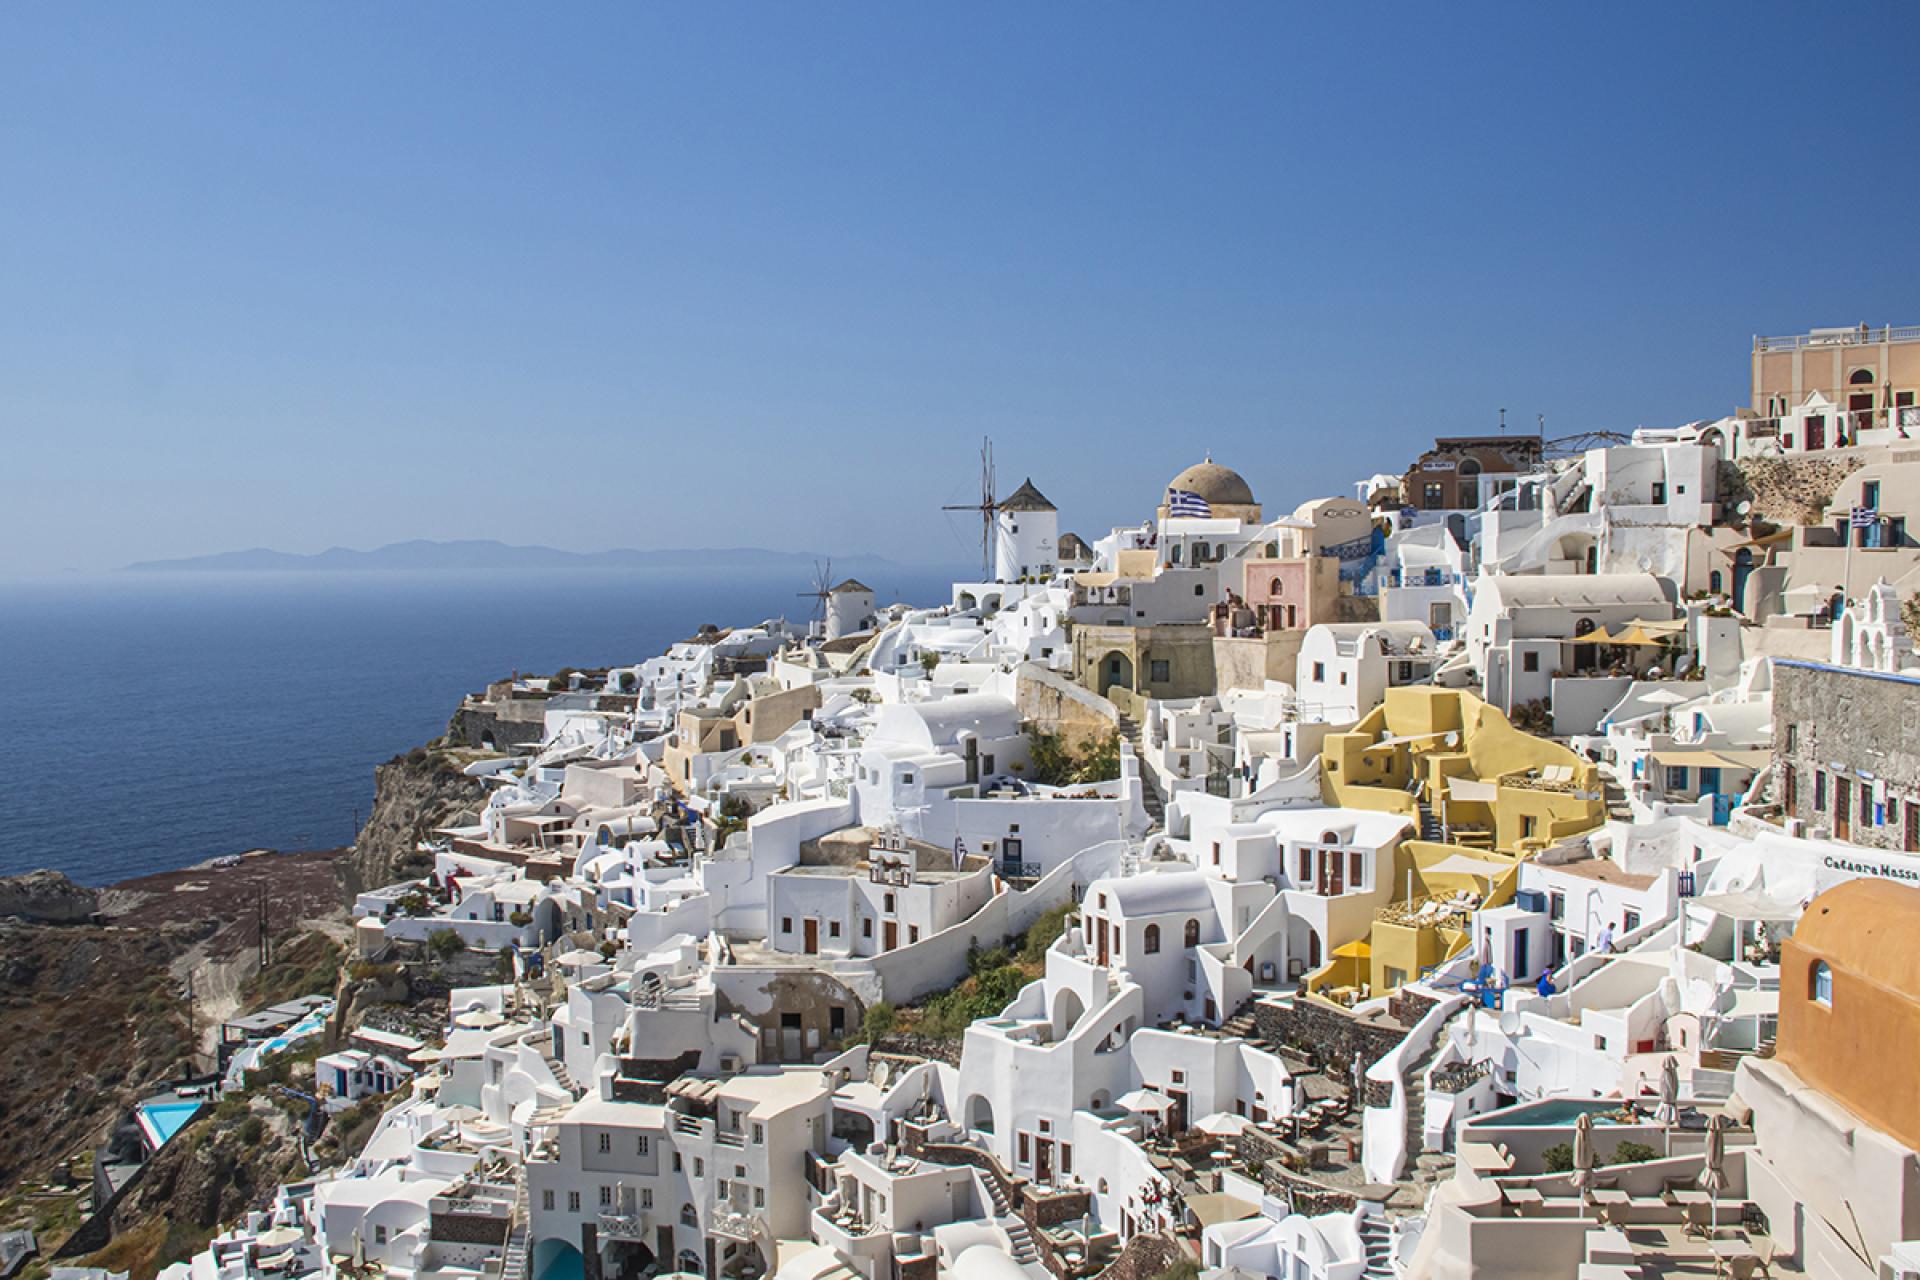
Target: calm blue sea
<point>155,721</point>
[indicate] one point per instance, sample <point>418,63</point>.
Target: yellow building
<point>1485,797</point>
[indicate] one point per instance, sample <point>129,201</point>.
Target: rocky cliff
<point>47,897</point>
<point>413,794</point>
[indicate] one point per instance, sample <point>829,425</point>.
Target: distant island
<point>487,554</point>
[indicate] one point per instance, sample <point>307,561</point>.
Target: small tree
<point>1053,764</point>
<point>1631,1152</point>
<point>1557,1158</point>
<point>928,661</point>
<point>879,1020</point>
<point>1099,760</point>
<point>444,944</point>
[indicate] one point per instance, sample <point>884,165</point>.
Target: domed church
<point>1210,491</point>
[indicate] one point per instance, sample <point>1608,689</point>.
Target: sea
<point>153,721</point>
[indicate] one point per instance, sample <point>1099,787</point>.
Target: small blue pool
<point>1549,1113</point>
<point>159,1121</point>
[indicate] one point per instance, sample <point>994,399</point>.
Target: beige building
<point>1865,372</point>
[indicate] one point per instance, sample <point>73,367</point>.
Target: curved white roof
<point>940,723</point>
<point>1535,590</point>
<point>987,1262</point>
<point>1160,893</point>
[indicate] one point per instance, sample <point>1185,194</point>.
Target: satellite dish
<point>882,1072</point>
<point>1745,508</point>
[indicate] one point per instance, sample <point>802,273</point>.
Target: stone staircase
<point>1424,1167</point>
<point>1023,1249</point>
<point>1430,828</point>
<point>1156,804</point>
<point>558,1067</point>
<point>513,1264</point>
<point>1376,1241</point>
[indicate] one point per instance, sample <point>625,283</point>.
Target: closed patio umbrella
<point>1668,1113</point>
<point>1713,1175</point>
<point>1583,1161</point>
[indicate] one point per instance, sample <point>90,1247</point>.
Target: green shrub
<point>1557,1158</point>
<point>1043,932</point>
<point>1630,1152</point>
<point>250,1130</point>
<point>880,1020</point>
<point>444,944</point>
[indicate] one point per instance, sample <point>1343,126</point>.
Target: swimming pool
<point>1549,1113</point>
<point>160,1120</point>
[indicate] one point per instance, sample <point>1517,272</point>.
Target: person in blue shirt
<point>1545,985</point>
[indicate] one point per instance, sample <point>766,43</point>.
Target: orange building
<point>1850,1002</point>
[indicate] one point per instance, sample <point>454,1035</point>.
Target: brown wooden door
<point>1842,807</point>
<point>889,935</point>
<point>1177,1118</point>
<point>1816,432</point>
<point>813,936</point>
<point>1043,1160</point>
<point>1100,936</point>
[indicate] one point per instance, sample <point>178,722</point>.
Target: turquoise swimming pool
<point>1549,1113</point>
<point>159,1121</point>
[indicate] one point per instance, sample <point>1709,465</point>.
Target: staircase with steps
<point>1023,1249</point>
<point>513,1265</point>
<point>1422,1166</point>
<point>1430,828</point>
<point>558,1067</point>
<point>1150,796</point>
<point>1376,1241</point>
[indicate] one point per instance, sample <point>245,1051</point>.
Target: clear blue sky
<point>667,275</point>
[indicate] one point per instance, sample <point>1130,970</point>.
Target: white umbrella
<point>1143,1100</point>
<point>1668,1112</point>
<point>1713,1176</point>
<point>1583,1154</point>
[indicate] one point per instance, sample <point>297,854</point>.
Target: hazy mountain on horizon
<point>481,553</point>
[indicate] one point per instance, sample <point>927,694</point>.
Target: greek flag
<point>1185,504</point>
<point>1865,517</point>
<point>959,851</point>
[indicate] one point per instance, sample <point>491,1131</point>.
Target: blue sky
<point>763,275</point>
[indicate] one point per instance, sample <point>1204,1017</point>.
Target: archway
<point>555,1259</point>
<point>967,601</point>
<point>487,741</point>
<point>1742,567</point>
<point>1116,671</point>
<point>979,1114</point>
<point>1067,1010</point>
<point>1467,490</point>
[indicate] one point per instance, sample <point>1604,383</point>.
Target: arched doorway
<point>1742,566</point>
<point>555,1259</point>
<point>1583,654</point>
<point>1116,671</point>
<point>1467,491</point>
<point>979,1114</point>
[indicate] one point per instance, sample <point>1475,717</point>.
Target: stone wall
<point>1327,1035</point>
<point>1249,662</point>
<point>1145,1257</point>
<point>1861,722</point>
<point>508,724</point>
<point>1055,704</point>
<point>1786,491</point>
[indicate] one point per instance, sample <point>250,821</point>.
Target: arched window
<point>691,1264</point>
<point>1152,939</point>
<point>1713,582</point>
<point>1860,378</point>
<point>688,1218</point>
<point>1193,933</point>
<point>1820,988</point>
<point>1279,587</point>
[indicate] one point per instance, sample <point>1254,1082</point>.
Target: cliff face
<point>413,794</point>
<point>47,897</point>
